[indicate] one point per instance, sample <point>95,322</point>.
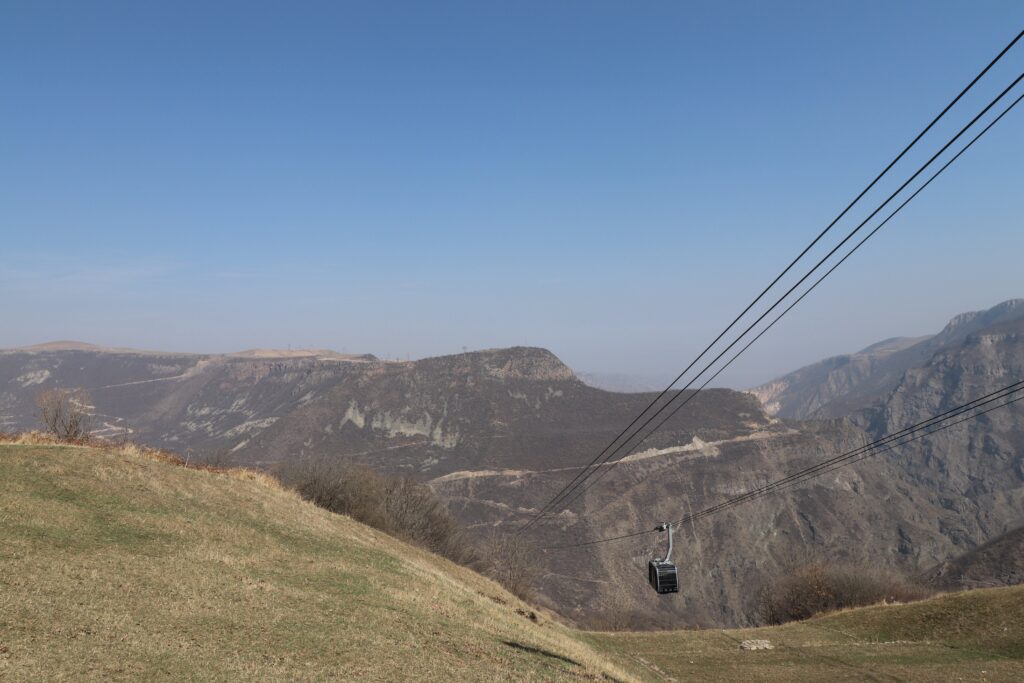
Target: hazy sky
<point>610,180</point>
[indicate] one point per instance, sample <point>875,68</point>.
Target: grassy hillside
<point>970,636</point>
<point>117,565</point>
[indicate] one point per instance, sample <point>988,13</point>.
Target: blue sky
<point>610,180</point>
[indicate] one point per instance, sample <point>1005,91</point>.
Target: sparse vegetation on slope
<point>818,588</point>
<point>394,504</point>
<point>119,565</point>
<point>411,511</point>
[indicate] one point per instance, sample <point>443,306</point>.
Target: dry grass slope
<point>118,564</point>
<point>970,636</point>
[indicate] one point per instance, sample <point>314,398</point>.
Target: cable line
<point>565,489</point>
<point>828,465</point>
<point>861,453</point>
<point>881,445</point>
<point>590,472</point>
<point>864,456</point>
<point>892,163</point>
<point>568,500</point>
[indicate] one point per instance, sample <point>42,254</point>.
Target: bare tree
<point>512,563</point>
<point>65,412</point>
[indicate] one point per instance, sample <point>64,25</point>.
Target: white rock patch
<point>35,377</point>
<point>249,426</point>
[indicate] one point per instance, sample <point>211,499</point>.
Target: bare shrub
<point>344,489</point>
<point>123,436</point>
<point>65,413</point>
<point>623,618</point>
<point>396,505</point>
<point>415,512</point>
<point>511,562</point>
<point>818,587</point>
<point>211,460</point>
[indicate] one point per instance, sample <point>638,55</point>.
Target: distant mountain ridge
<point>71,345</point>
<point>842,385</point>
<point>621,382</point>
<point>512,407</point>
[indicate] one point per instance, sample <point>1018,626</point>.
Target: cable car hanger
<point>661,573</point>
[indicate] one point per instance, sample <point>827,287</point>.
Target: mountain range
<point>498,432</point>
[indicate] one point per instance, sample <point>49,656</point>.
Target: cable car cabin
<point>662,576</point>
<point>661,573</point>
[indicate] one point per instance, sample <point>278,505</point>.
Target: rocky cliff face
<point>999,562</point>
<point>517,407</point>
<point>805,392</point>
<point>842,385</point>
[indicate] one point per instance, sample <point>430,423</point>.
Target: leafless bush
<point>123,436</point>
<point>510,560</point>
<point>65,413</point>
<point>416,513</point>
<point>817,587</point>
<point>219,459</point>
<point>628,619</point>
<point>345,489</point>
<point>396,505</point>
